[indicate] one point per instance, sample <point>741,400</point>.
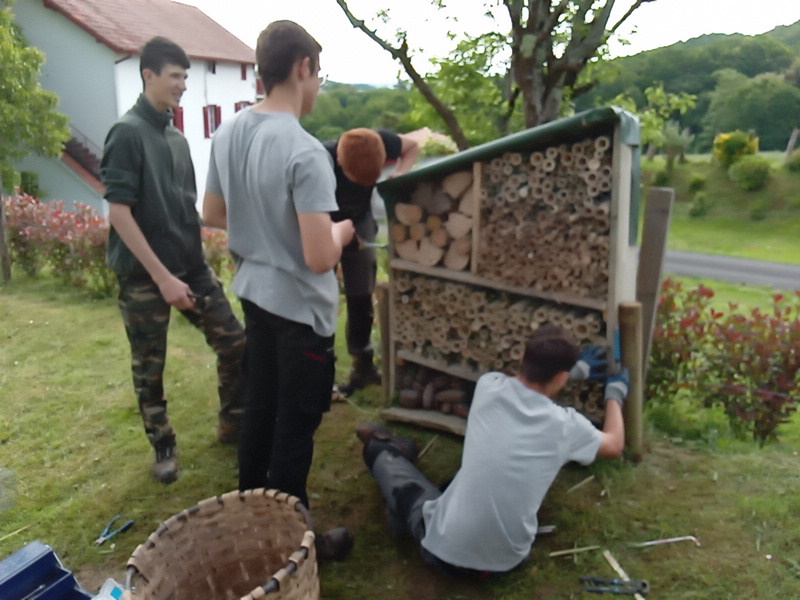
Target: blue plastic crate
<point>36,573</point>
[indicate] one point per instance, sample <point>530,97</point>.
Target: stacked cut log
<point>435,226</point>
<point>545,218</point>
<point>476,328</point>
<point>421,387</point>
<point>424,388</point>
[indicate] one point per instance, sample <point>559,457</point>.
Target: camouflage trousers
<point>146,316</point>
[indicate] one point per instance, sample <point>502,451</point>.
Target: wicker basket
<point>239,545</point>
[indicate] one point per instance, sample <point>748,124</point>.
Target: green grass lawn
<point>71,435</point>
<point>728,228</point>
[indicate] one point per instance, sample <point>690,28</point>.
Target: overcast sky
<point>349,56</point>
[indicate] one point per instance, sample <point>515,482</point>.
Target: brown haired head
<point>362,155</point>
<point>548,352</point>
<point>278,49</point>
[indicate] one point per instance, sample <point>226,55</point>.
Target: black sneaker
<point>334,544</point>
<point>377,439</point>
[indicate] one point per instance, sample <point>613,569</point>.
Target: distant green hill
<point>690,66</point>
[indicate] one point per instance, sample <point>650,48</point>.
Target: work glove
<point>592,364</point>
<point>617,386</point>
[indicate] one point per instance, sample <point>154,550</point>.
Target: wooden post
<point>630,320</point>
<point>5,256</point>
<point>382,296</point>
<point>651,262</point>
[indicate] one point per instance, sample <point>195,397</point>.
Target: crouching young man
<point>517,440</point>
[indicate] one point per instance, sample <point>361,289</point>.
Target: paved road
<point>735,270</point>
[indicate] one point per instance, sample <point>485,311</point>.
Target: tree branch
<point>401,54</point>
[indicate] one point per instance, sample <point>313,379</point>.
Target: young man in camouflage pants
<point>156,251</point>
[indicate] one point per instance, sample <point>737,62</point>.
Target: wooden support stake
<point>5,255</point>
<point>651,262</point>
<point>382,296</point>
<point>630,321</point>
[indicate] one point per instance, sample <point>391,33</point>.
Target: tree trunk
<point>792,141</point>
<point>5,256</point>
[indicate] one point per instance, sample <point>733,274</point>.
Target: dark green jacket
<point>146,165</point>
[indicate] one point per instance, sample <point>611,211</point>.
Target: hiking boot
<point>377,439</point>
<point>362,374</point>
<point>334,544</point>
<point>228,431</point>
<point>165,468</point>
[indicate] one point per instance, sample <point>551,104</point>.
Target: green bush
<point>700,205</point>
<point>697,183</point>
<point>661,178</point>
<point>745,364</point>
<point>750,172</point>
<point>730,147</point>
<point>793,162</point>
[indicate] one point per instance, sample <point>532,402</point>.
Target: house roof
<point>126,25</point>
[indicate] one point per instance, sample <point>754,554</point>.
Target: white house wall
<point>58,182</point>
<point>96,86</point>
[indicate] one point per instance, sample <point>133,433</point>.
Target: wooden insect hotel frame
<point>490,243</point>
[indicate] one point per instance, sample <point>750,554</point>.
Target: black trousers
<point>290,372</point>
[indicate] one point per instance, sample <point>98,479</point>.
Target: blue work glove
<point>618,385</point>
<point>592,364</point>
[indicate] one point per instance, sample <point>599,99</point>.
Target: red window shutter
<point>244,72</point>
<point>217,116</point>
<point>259,87</point>
<point>207,121</point>
<point>177,118</point>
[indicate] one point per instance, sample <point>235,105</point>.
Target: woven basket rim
<point>277,580</point>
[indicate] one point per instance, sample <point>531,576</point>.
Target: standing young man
<point>156,251</point>
<point>271,184</point>
<point>516,442</point>
<point>359,156</point>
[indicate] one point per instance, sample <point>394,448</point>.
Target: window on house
<point>240,105</point>
<point>212,117</point>
<point>259,87</point>
<point>212,66</point>
<point>177,117</point>
<point>244,71</point>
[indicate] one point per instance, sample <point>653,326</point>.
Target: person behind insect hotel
<point>359,156</point>
<point>516,441</point>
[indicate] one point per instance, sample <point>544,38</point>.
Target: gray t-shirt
<point>269,169</point>
<point>516,442</point>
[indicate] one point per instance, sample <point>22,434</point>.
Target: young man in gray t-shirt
<point>271,185</point>
<point>517,440</point>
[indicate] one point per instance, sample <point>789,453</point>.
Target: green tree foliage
<point>469,81</point>
<point>341,107</point>
<point>766,104</point>
<point>29,121</point>
<point>654,112</point>
<point>689,67</point>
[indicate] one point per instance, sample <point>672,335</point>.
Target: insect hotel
<point>489,244</point>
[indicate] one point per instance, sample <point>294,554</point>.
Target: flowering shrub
<point>70,245</point>
<point>215,247</point>
<point>730,147</point>
<point>748,364</point>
